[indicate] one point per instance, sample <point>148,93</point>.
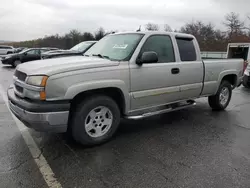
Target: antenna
<point>138,29</point>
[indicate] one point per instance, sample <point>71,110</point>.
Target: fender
<point>225,73</point>
<point>73,90</point>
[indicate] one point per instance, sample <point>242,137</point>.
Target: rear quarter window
<point>186,49</point>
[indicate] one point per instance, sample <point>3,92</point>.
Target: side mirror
<point>148,57</point>
<point>25,53</point>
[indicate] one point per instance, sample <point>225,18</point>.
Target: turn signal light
<point>42,95</point>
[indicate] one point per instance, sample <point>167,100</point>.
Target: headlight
<point>37,80</point>
<point>7,57</point>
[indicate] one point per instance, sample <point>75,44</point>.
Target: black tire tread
<point>214,100</point>
<point>81,111</point>
<point>245,82</point>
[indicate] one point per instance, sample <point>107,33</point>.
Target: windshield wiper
<point>101,56</point>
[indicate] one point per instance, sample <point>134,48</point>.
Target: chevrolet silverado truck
<point>124,75</point>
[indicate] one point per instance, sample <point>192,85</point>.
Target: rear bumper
<point>39,119</point>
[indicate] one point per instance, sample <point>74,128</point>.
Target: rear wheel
<point>245,82</point>
<point>221,99</point>
<point>95,120</point>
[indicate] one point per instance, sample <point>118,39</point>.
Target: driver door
<point>31,55</point>
<point>157,83</point>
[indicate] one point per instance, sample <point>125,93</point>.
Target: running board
<point>170,109</point>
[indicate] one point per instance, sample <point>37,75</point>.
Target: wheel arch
<point>230,76</point>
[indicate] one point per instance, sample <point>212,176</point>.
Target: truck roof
<point>174,34</point>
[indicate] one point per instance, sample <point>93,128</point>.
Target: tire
<point>215,102</point>
<point>87,114</point>
<point>245,82</point>
<point>16,63</point>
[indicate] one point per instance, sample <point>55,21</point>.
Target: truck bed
<point>215,69</point>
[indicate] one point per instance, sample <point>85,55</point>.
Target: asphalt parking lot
<point>194,147</point>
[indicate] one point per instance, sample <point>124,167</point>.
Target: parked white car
<point>6,49</point>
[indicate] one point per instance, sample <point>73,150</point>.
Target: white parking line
<point>36,153</point>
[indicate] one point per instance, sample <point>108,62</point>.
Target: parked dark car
<point>24,56</point>
<point>78,49</point>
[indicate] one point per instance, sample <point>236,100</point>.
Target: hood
<point>10,56</point>
<point>66,64</point>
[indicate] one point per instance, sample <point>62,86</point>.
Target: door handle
<point>175,70</point>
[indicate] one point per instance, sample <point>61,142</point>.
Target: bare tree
<point>233,23</point>
<point>204,33</point>
<point>152,27</point>
<point>99,33</point>
<point>167,28</point>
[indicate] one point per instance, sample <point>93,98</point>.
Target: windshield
<point>81,46</point>
<point>21,50</point>
<point>118,47</point>
<point>24,50</point>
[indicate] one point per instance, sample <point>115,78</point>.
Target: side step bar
<point>163,111</point>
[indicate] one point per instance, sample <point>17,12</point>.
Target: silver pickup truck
<point>125,75</point>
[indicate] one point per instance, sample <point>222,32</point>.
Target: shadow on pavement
<point>8,67</point>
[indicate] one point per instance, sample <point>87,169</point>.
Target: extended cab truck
<point>130,75</point>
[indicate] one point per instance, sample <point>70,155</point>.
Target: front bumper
<point>7,61</point>
<point>40,116</point>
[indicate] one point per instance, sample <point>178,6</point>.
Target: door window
<point>162,45</point>
<point>43,50</point>
<point>186,49</point>
<point>31,52</point>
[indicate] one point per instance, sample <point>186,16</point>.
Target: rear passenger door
<point>41,52</point>
<point>191,70</point>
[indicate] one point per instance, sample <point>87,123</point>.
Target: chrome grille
<point>20,75</point>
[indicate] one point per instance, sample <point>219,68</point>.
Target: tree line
<point>209,38</point>
<point>62,42</point>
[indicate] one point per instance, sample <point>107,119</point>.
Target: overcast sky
<point>30,19</point>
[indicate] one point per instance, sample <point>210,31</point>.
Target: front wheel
<point>95,120</point>
<point>221,99</point>
<point>16,63</point>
